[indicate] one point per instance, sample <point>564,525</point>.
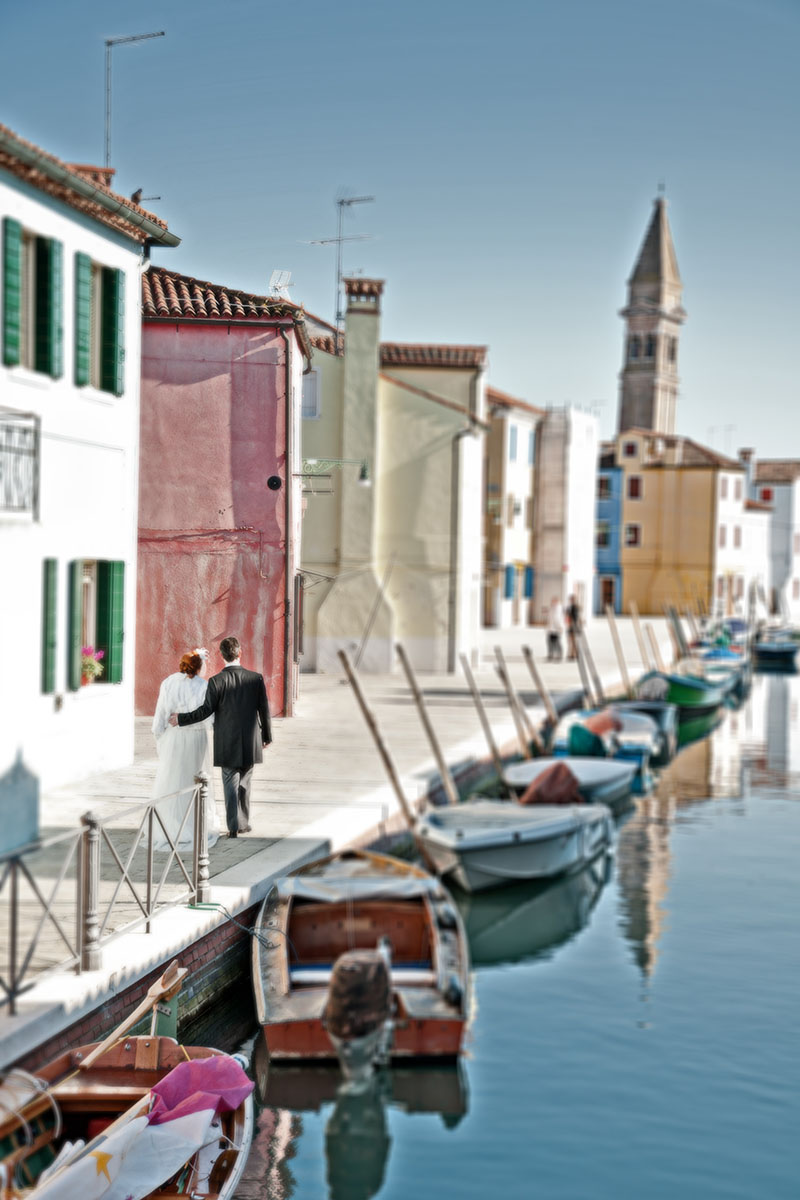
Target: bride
<point>182,752</point>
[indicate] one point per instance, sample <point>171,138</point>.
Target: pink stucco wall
<point>211,533</point>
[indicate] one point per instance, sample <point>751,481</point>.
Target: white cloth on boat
<point>183,751</point>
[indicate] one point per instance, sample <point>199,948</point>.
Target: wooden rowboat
<point>350,902</point>
<point>89,1105</point>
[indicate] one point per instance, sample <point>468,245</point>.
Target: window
<point>630,449</point>
<point>49,616</point>
<point>723,536</point>
<point>672,352</point>
<point>634,347</point>
<point>737,536</point>
<point>531,446</point>
<point>766,494</point>
<point>96,617</point>
<point>603,488</point>
<point>739,588</point>
<point>650,346</point>
<point>603,535</point>
<point>310,406</point>
<point>512,443</point>
<point>99,326</point>
<point>737,489</point>
<point>635,488</point>
<point>723,487</point>
<point>33,332</point>
<point>510,581</point>
<point>633,535</point>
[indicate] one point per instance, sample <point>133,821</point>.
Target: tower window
<point>672,352</point>
<point>650,346</point>
<point>634,347</point>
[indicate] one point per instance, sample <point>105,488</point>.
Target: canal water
<point>635,1028</point>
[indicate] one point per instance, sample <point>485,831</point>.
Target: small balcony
<point>19,464</point>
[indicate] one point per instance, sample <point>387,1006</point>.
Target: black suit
<point>238,698</point>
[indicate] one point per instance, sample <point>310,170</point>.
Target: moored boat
<point>354,901</point>
<point>152,1117</point>
<point>776,653</point>
<point>691,694</point>
<point>665,716</point>
<point>490,843</point>
<point>610,732</point>
<point>599,780</point>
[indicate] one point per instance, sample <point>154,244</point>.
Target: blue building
<point>608,573</point>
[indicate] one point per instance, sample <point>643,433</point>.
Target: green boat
<point>692,695</point>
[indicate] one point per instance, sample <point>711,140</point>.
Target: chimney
<point>360,416</point>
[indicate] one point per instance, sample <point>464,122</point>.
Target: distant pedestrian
<point>555,631</point>
<point>238,698</point>
<point>573,626</point>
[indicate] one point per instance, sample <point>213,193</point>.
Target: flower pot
<point>86,680</point>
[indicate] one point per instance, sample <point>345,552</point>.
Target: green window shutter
<point>110,618</point>
<point>12,291</point>
<point>49,329</point>
<point>83,319</point>
<point>113,332</point>
<point>49,614</point>
<point>75,624</point>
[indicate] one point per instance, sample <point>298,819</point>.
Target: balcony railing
<point>19,463</point>
<point>65,897</point>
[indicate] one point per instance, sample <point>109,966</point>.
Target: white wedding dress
<point>182,752</point>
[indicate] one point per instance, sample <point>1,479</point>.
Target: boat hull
<point>600,781</point>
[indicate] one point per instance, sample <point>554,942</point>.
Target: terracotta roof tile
<point>166,294</point>
<point>399,354</point>
<point>758,505</point>
<point>357,286</point>
<point>777,470</point>
<point>99,177</point>
<point>503,400</point>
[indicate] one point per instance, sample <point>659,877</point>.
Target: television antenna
<point>342,203</point>
<point>110,44</point>
<point>279,284</point>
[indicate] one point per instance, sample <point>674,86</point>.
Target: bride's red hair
<point>190,665</point>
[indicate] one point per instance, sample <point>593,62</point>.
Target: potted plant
<point>91,666</point>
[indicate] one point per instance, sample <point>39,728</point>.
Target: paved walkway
<point>322,785</point>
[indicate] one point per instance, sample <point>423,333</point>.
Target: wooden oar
<point>163,988</point>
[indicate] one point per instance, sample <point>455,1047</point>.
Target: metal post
<point>201,878</point>
<point>90,887</point>
<point>13,937</point>
<point>448,782</point>
<point>149,880</point>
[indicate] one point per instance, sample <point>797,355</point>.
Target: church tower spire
<point>653,316</point>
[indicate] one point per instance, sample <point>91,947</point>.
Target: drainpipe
<point>455,481</point>
<point>288,566</point>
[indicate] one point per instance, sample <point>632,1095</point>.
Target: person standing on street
<point>555,629</point>
<point>573,626</point>
<point>238,699</point>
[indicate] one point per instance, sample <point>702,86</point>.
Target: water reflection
<point>509,925</point>
<point>357,1139</point>
<point>721,757</point>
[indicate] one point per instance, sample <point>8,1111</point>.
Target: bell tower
<point>653,316</point>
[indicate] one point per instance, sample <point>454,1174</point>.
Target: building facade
<point>776,482</point>
<point>72,256</point>
<point>509,480</point>
<point>608,571</point>
<point>392,449</point>
<point>219,512</point>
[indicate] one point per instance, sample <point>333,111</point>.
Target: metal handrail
<point>93,914</point>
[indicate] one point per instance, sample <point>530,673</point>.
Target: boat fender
<point>453,992</point>
<point>446,917</point>
<point>242,1060</point>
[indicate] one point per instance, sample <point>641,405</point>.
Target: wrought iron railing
<point>19,463</point>
<point>72,893</point>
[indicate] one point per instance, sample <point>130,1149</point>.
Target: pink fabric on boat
<point>217,1083</point>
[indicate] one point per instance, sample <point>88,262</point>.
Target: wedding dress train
<point>182,752</point>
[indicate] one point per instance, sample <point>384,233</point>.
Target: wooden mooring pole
<point>541,687</point>
<point>657,659</point>
<point>637,629</point>
<point>484,720</point>
<point>386,758</point>
<point>598,687</point>
<point>517,712</point>
<point>623,666</point>
<point>448,783</point>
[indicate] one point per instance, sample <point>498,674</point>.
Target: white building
<point>777,483</point>
<point>564,508</point>
<point>72,253</point>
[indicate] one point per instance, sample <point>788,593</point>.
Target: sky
<point>513,151</point>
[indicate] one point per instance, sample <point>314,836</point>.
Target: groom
<point>241,728</point>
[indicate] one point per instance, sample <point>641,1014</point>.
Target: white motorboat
<point>488,843</point>
<point>600,780</point>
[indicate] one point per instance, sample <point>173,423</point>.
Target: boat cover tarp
<point>331,889</point>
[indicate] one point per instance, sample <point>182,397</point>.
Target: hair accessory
<point>201,650</point>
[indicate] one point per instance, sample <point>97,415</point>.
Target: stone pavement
<point>321,786</point>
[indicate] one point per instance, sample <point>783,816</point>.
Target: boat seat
<point>401,976</point>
